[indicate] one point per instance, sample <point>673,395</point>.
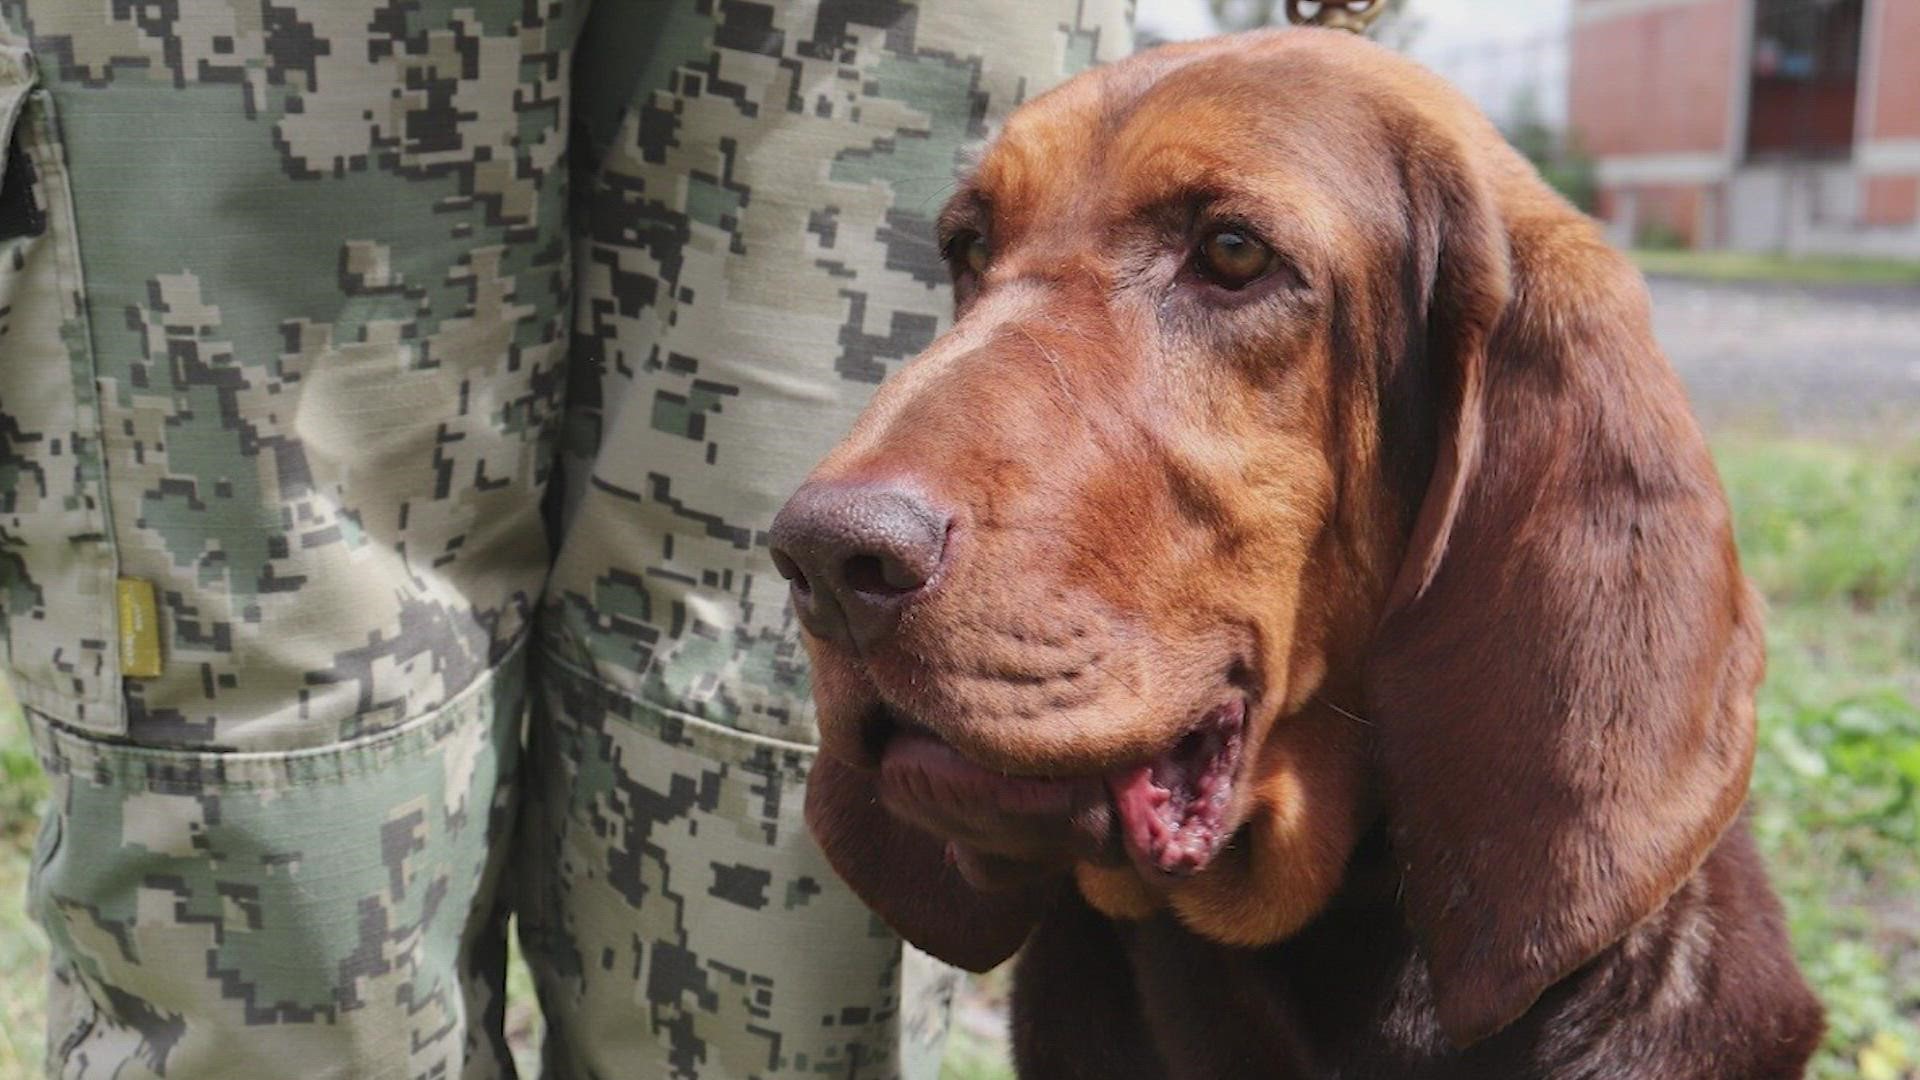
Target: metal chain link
<point>1354,15</point>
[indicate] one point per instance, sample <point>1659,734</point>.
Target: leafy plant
<point>1828,533</point>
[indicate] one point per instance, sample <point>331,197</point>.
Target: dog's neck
<point>1349,995</point>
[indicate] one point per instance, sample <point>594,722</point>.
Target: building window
<point>1805,78</point>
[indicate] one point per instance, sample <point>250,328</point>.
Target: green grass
<point>1830,533</point>
<point>23,997</point>
<point>1787,269</point>
<point>1832,536</point>
<point>973,1059</point>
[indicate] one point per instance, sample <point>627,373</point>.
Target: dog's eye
<point>968,251</point>
<point>1233,259</point>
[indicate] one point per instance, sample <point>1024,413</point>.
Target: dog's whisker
<point>941,192</point>
<point>1124,685</point>
<point>1348,713</point>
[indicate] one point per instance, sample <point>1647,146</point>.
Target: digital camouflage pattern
<point>56,561</point>
<point>362,280</point>
<point>329,342</point>
<point>329,912</point>
<point>679,925</point>
<point>321,336</point>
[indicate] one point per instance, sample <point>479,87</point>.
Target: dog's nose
<point>855,554</point>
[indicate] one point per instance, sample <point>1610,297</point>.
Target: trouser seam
<point>57,739</point>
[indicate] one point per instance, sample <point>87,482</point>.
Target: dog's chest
<point>1327,1005</point>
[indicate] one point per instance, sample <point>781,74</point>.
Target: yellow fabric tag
<point>139,630</point>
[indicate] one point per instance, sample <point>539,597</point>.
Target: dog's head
<point>1297,461</point>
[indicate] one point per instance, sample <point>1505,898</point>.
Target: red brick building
<point>1759,124</point>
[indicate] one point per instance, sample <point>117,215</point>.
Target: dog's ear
<point>907,877</point>
<point>1563,681</point>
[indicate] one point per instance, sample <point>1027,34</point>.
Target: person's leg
<point>757,254</point>
<point>283,307</point>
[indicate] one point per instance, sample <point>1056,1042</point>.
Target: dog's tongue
<point>1173,809</point>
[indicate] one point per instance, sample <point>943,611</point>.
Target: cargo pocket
<point>323,912</point>
<point>58,618</point>
<point>679,919</point>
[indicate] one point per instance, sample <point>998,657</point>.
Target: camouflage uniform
<point>375,375</point>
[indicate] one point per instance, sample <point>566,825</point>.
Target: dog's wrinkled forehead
<point>1263,125</point>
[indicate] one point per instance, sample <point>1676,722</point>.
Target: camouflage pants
<point>393,396</point>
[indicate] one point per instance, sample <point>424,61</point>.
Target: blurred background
<point>1761,159</point>
<point>1761,126</point>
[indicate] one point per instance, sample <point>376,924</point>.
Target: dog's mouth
<point>1169,815</point>
<point>1173,809</point>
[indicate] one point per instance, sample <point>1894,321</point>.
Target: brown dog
<point>1300,546</point>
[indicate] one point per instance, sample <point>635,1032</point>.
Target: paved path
<point>1834,362</point>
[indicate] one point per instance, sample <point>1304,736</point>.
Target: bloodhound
<point>1295,603</point>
